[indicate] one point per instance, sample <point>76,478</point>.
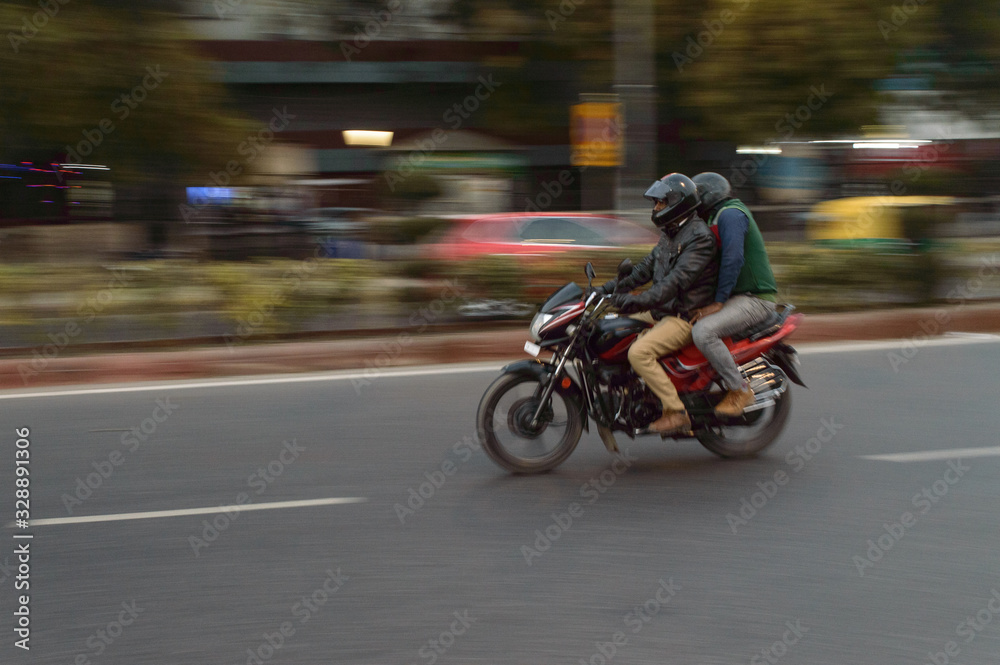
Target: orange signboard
<point>596,134</point>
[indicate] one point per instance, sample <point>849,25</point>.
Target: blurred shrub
<point>406,192</point>
<point>835,279</point>
<point>279,292</point>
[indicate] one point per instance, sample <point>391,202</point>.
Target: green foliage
<point>821,279</point>
<point>767,60</point>
<point>60,86</point>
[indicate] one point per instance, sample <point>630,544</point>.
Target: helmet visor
<point>661,191</point>
<point>657,191</point>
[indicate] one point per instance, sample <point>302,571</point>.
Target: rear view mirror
<point>589,270</point>
<point>625,268</point>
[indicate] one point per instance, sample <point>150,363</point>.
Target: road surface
<point>373,531</point>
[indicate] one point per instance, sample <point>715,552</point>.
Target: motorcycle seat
<point>691,357</point>
<point>768,326</point>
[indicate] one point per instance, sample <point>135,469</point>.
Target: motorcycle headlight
<point>536,326</point>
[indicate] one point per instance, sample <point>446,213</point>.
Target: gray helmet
<point>679,193</point>
<point>713,190</point>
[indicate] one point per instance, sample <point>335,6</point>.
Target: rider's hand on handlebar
<point>625,303</point>
<point>607,289</point>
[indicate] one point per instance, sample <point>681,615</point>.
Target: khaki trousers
<point>666,335</point>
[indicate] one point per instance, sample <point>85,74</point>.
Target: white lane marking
<point>931,455</point>
<point>85,519</point>
<point>342,375</point>
<point>438,370</point>
<point>958,339</point>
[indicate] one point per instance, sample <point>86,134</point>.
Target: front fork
<point>570,345</point>
<point>549,387</point>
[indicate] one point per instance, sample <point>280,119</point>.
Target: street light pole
<point>635,84</point>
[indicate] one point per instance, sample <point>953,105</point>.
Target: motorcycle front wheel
<point>505,430</point>
<point>746,440</point>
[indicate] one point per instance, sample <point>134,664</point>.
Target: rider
<point>746,292</point>
<point>683,268</point>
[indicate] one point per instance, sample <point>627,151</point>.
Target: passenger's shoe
<point>671,422</point>
<point>734,403</point>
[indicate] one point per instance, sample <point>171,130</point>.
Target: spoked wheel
<point>756,431</point>
<point>510,438</point>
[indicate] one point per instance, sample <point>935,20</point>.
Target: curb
<point>407,349</point>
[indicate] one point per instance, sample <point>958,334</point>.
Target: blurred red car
<point>535,233</point>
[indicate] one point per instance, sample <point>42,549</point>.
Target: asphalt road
<point>649,560</point>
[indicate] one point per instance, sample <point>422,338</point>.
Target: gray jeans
<point>737,314</point>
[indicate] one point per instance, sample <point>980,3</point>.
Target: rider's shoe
<point>734,403</point>
<point>671,422</point>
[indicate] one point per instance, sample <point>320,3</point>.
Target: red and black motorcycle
<point>532,417</point>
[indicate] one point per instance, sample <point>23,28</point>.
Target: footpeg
<point>757,406</point>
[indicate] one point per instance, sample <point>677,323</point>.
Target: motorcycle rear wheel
<point>725,441</point>
<point>503,423</point>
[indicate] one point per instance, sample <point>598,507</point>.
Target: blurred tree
<point>113,83</point>
<point>958,51</point>
<point>548,31</point>
<point>751,71</point>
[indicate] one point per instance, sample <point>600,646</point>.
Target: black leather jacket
<point>683,267</point>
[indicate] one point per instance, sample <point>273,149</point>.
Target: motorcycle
<point>532,416</point>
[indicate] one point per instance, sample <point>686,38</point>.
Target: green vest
<point>756,276</point>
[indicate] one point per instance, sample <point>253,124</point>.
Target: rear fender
<point>785,357</point>
<point>567,386</point>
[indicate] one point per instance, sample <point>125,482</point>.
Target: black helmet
<point>713,190</point>
<point>680,195</point>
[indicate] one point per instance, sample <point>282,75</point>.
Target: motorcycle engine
<point>645,408</point>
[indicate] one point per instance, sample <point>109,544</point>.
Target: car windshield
<point>561,231</point>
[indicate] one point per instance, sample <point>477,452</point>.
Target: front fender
<point>568,387</point>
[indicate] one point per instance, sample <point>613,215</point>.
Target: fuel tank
<point>613,337</point>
